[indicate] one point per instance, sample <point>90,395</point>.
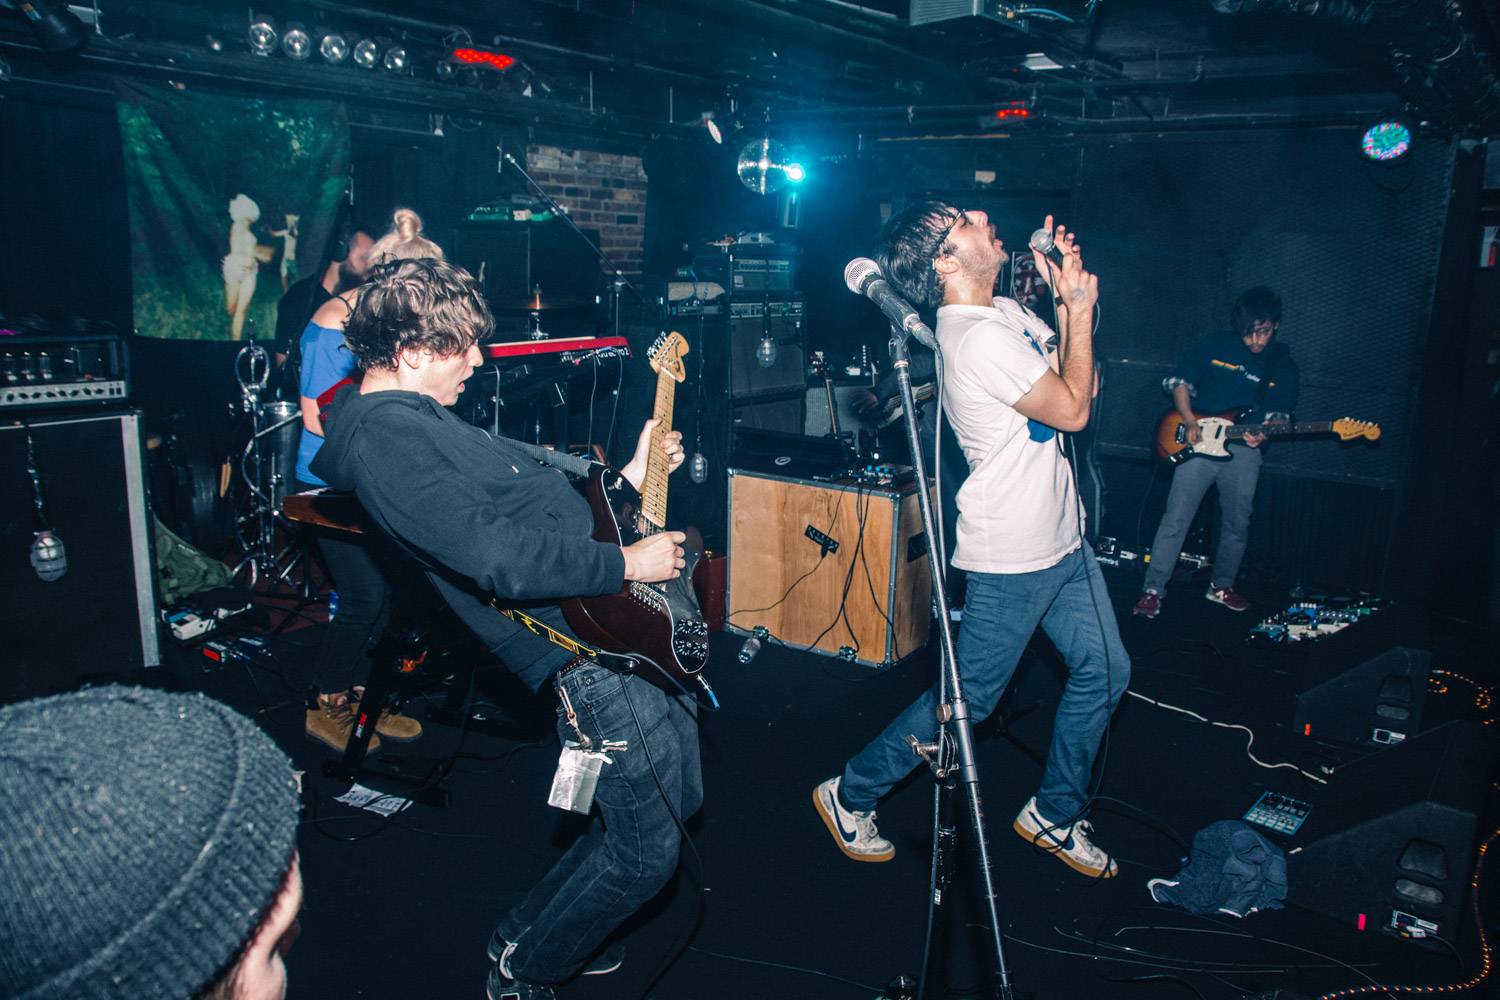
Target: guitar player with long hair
<point>1242,369</point>
<point>493,519</point>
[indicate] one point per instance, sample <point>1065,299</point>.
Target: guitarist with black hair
<point>1244,369</point>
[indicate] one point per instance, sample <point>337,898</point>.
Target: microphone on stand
<point>863,277</point>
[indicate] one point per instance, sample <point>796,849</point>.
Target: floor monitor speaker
<point>1375,703</point>
<point>1389,845</point>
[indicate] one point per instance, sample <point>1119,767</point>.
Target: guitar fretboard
<point>658,467</point>
<point>1304,427</point>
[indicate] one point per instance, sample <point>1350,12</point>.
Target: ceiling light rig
<point>334,48</point>
<point>262,35</point>
<point>366,53</point>
<point>296,43</point>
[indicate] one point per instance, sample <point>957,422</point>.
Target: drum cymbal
<point>536,303</point>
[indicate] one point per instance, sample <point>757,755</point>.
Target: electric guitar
<point>1219,429</point>
<point>879,417</point>
<point>658,622</point>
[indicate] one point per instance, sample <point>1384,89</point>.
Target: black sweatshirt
<point>486,519</point>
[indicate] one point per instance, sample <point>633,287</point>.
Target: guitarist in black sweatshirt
<point>1240,369</point>
<point>487,519</point>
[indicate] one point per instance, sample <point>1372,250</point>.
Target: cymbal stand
<point>951,756</point>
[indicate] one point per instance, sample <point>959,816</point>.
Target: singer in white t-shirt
<point>1008,396</point>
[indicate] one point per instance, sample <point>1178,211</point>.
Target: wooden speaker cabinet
<point>837,567</point>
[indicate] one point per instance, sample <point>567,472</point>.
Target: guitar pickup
<point>821,540</point>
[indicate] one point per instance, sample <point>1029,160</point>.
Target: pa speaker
<point>1389,846</point>
<point>1375,703</point>
<point>98,618</point>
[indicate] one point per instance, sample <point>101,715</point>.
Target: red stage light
<point>1013,111</point>
<point>481,57</point>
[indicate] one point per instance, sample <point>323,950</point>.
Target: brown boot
<point>332,721</point>
<point>392,724</point>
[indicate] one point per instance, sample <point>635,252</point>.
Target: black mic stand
<point>618,282</point>
<point>951,757</point>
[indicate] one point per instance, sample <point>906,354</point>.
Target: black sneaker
<point>497,987</point>
<point>602,962</point>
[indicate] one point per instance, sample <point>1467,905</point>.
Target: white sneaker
<point>1069,844</point>
<point>854,832</point>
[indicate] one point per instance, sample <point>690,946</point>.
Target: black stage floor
<point>404,907</point>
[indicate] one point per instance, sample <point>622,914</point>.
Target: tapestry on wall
<point>231,200</point>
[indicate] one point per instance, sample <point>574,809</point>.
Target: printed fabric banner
<point>231,200</point>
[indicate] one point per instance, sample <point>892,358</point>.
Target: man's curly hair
<point>912,240</point>
<point>429,305</point>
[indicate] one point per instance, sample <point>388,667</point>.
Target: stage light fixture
<point>795,173</point>
<point>396,59</point>
<point>262,36</point>
<point>765,353</point>
<point>483,58</point>
<point>57,28</point>
<point>296,43</point>
<point>712,127</point>
<point>334,48</point>
<point>1386,140</point>
<point>445,70</point>
<point>366,53</point>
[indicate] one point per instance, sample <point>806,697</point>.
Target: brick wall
<point>603,191</point>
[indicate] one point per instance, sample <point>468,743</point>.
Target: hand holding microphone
<point>1059,260</point>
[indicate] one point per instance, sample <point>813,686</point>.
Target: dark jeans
<point>630,852</point>
<point>1001,612</point>
<point>343,657</point>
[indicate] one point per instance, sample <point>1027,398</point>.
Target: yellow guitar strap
<point>547,632</point>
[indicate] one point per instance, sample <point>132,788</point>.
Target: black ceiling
<point>860,65</point>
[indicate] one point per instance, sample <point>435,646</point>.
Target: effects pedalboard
<point>1310,620</point>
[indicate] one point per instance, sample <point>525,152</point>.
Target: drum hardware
<point>267,467</point>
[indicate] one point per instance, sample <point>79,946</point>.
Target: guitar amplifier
<point>749,324</point>
<point>39,373</point>
<point>834,567</point>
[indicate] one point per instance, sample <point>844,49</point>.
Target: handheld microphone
<point>864,278</point>
<point>1043,243</point>
<point>750,650</point>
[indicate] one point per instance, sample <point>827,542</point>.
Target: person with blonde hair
<point>364,594</point>
<point>241,266</point>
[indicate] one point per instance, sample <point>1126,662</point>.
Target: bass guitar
<point>1219,429</point>
<point>657,622</point>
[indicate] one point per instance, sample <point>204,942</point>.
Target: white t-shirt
<point>1018,510</point>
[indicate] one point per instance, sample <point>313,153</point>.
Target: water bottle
<point>749,650</point>
<point>333,604</point>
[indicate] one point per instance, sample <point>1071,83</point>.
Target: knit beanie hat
<point>143,836</point>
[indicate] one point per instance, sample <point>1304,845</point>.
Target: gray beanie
<point>143,836</point>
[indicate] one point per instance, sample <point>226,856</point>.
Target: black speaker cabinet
<point>1389,844</point>
<point>99,618</point>
<point>1376,703</point>
<point>751,322</point>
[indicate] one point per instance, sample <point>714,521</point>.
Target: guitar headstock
<point>667,353</point>
<point>1348,429</point>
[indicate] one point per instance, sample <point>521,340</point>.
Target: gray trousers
<point>1236,480</point>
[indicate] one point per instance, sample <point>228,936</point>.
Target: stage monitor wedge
<point>1376,703</point>
<point>1389,845</point>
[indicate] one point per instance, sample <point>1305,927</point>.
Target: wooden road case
<point>837,567</point>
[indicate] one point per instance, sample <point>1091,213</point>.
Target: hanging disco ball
<point>764,167</point>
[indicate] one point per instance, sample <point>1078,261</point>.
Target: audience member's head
<point>356,259</point>
<point>404,240</point>
<point>416,305</point>
<point>147,849</point>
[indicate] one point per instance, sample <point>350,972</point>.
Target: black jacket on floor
<point>485,518</point>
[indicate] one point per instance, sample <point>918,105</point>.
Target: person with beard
<point>1020,528</point>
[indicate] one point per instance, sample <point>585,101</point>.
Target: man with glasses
<point>1243,369</point>
<point>1020,525</point>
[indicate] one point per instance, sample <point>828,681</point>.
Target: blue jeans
<point>1001,612</point>
<point>631,851</point>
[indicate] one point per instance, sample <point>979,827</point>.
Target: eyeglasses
<point>943,240</point>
